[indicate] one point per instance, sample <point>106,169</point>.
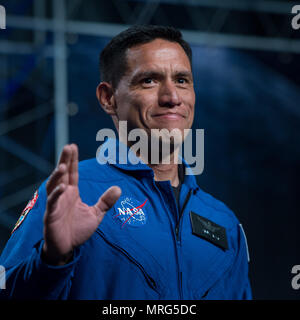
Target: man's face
<point>157,90</point>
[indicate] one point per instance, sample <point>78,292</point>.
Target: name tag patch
<point>209,230</point>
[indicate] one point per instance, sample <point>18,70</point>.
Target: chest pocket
<point>207,251</point>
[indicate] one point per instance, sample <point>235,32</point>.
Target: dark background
<point>247,80</point>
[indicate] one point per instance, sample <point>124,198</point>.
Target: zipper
<point>177,229</point>
<point>177,236</point>
<point>176,249</point>
<point>181,212</point>
<point>180,285</point>
<point>149,279</point>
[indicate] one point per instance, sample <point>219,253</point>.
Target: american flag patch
<point>24,213</point>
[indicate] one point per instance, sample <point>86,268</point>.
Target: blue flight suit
<point>146,247</point>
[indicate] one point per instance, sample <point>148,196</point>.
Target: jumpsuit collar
<point>123,158</point>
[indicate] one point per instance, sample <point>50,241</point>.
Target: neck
<point>163,172</point>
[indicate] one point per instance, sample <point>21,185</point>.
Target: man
<point>163,237</point>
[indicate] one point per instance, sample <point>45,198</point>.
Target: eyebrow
<point>157,74</point>
<point>187,74</point>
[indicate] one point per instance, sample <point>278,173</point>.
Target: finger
<point>54,196</point>
<point>65,158</point>
<point>107,200</point>
<point>56,178</point>
<point>65,154</point>
<point>73,168</point>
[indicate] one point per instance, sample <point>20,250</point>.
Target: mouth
<point>169,116</point>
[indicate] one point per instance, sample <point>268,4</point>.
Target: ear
<point>105,96</point>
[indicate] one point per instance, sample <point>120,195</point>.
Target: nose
<point>168,95</point>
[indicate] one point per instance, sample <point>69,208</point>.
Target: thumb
<point>107,200</point>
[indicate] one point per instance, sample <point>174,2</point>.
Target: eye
<point>148,80</point>
<point>181,80</point>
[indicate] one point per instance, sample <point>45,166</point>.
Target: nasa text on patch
<point>131,212</point>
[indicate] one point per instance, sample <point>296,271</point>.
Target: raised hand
<point>68,222</point>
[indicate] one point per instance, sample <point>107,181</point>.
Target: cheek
<point>189,100</point>
<point>142,103</point>
<point>133,108</point>
<point>126,106</point>
<point>190,96</point>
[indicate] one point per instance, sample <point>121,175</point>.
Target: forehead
<point>158,53</point>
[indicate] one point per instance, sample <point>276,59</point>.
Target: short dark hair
<point>113,63</point>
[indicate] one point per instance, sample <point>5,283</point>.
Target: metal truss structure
<point>244,24</point>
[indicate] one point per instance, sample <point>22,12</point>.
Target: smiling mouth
<point>169,116</point>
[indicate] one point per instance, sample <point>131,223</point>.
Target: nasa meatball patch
<point>27,209</point>
<point>131,212</point>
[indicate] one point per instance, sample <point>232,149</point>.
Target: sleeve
<point>27,276</point>
<point>237,284</point>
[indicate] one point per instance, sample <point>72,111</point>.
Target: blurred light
<point>72,38</point>
<point>72,109</point>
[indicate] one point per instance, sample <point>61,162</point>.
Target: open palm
<point>68,222</point>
